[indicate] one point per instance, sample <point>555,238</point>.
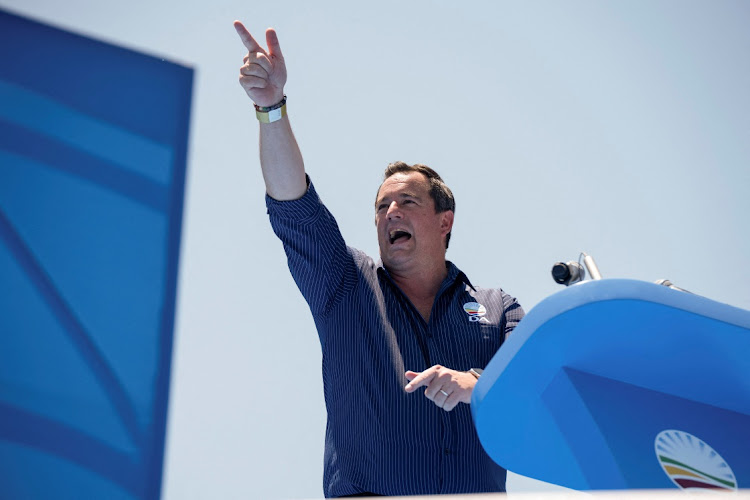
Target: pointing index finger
<point>247,39</point>
<point>420,380</point>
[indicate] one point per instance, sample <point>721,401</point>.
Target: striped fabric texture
<point>380,439</point>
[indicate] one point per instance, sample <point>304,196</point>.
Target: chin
<point>394,262</point>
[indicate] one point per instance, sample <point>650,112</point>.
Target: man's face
<point>408,227</point>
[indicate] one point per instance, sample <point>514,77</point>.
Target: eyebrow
<point>402,196</point>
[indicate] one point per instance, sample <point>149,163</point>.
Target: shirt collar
<point>455,275</point>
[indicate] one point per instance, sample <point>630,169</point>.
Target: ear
<point>446,222</point>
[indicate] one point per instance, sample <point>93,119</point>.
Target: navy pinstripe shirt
<point>380,439</point>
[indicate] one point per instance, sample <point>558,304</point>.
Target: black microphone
<point>567,274</point>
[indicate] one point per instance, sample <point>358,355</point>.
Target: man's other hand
<point>263,75</point>
<point>443,386</point>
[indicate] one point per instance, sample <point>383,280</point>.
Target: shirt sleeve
<point>513,313</point>
<point>318,257</point>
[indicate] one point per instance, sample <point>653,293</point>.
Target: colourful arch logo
<point>692,464</point>
<point>476,311</point>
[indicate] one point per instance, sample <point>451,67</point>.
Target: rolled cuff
<point>302,209</point>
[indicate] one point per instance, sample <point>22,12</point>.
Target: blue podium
<point>620,384</point>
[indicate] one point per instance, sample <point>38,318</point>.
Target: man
<point>385,329</point>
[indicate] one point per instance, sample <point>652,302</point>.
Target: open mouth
<point>399,234</point>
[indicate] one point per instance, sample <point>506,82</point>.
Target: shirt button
<point>447,451</point>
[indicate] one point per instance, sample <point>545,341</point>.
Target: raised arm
<point>263,77</point>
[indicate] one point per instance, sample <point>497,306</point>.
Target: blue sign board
<point>93,145</point>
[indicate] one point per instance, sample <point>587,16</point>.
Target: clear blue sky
<point>617,128</point>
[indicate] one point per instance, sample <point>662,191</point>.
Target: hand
<point>264,73</point>
<point>458,386</point>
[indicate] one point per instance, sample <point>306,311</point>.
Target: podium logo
<point>692,464</point>
<point>476,312</point>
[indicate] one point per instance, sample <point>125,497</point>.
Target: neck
<point>421,286</point>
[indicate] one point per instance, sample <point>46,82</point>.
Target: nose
<point>393,211</point>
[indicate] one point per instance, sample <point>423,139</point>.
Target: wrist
<point>267,96</point>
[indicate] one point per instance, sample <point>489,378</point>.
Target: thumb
<point>272,41</point>
<point>410,375</point>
